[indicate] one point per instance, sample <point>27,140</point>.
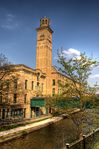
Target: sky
<point>75,24</point>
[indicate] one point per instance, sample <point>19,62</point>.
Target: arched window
<point>0,97</point>
<point>26,81</point>
<point>42,21</point>
<point>45,21</point>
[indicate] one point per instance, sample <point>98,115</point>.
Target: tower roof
<point>45,24</point>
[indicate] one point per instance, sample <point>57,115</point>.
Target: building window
<point>25,98</point>
<point>32,85</point>
<point>38,76</point>
<point>42,87</point>
<point>24,113</point>
<point>0,113</point>
<point>46,21</point>
<point>15,84</point>
<point>42,21</point>
<point>53,82</point>
<point>1,86</point>
<point>7,97</point>
<point>59,82</point>
<point>15,98</point>
<point>38,85</point>
<point>42,37</point>
<point>7,86</point>
<point>26,81</point>
<point>53,91</point>
<point>59,90</point>
<point>0,97</point>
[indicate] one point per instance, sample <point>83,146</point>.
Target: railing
<point>86,142</point>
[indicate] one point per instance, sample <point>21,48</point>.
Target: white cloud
<point>94,76</point>
<point>72,52</point>
<point>9,26</point>
<point>10,15</point>
<point>9,22</point>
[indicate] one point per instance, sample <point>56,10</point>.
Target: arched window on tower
<point>45,21</point>
<point>42,21</point>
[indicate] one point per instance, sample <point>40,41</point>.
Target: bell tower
<point>44,51</point>
<point>44,46</point>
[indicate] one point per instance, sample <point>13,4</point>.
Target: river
<point>53,136</point>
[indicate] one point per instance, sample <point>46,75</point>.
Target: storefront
<point>11,111</point>
<point>4,111</point>
<point>17,111</point>
<point>38,107</point>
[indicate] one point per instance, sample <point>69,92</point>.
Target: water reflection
<point>50,137</point>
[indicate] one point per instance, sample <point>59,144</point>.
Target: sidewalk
<point>19,131</point>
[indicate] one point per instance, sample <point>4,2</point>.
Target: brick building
<point>27,101</point>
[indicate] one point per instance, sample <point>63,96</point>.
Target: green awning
<point>37,102</point>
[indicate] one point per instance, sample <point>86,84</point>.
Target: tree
<point>5,68</point>
<point>78,71</point>
<point>75,90</point>
<point>9,81</point>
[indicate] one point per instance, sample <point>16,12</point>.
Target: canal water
<point>53,136</point>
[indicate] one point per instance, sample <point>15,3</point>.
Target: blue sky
<point>75,24</point>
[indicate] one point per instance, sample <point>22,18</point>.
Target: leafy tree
<point>76,88</point>
<point>61,104</point>
<point>78,71</point>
